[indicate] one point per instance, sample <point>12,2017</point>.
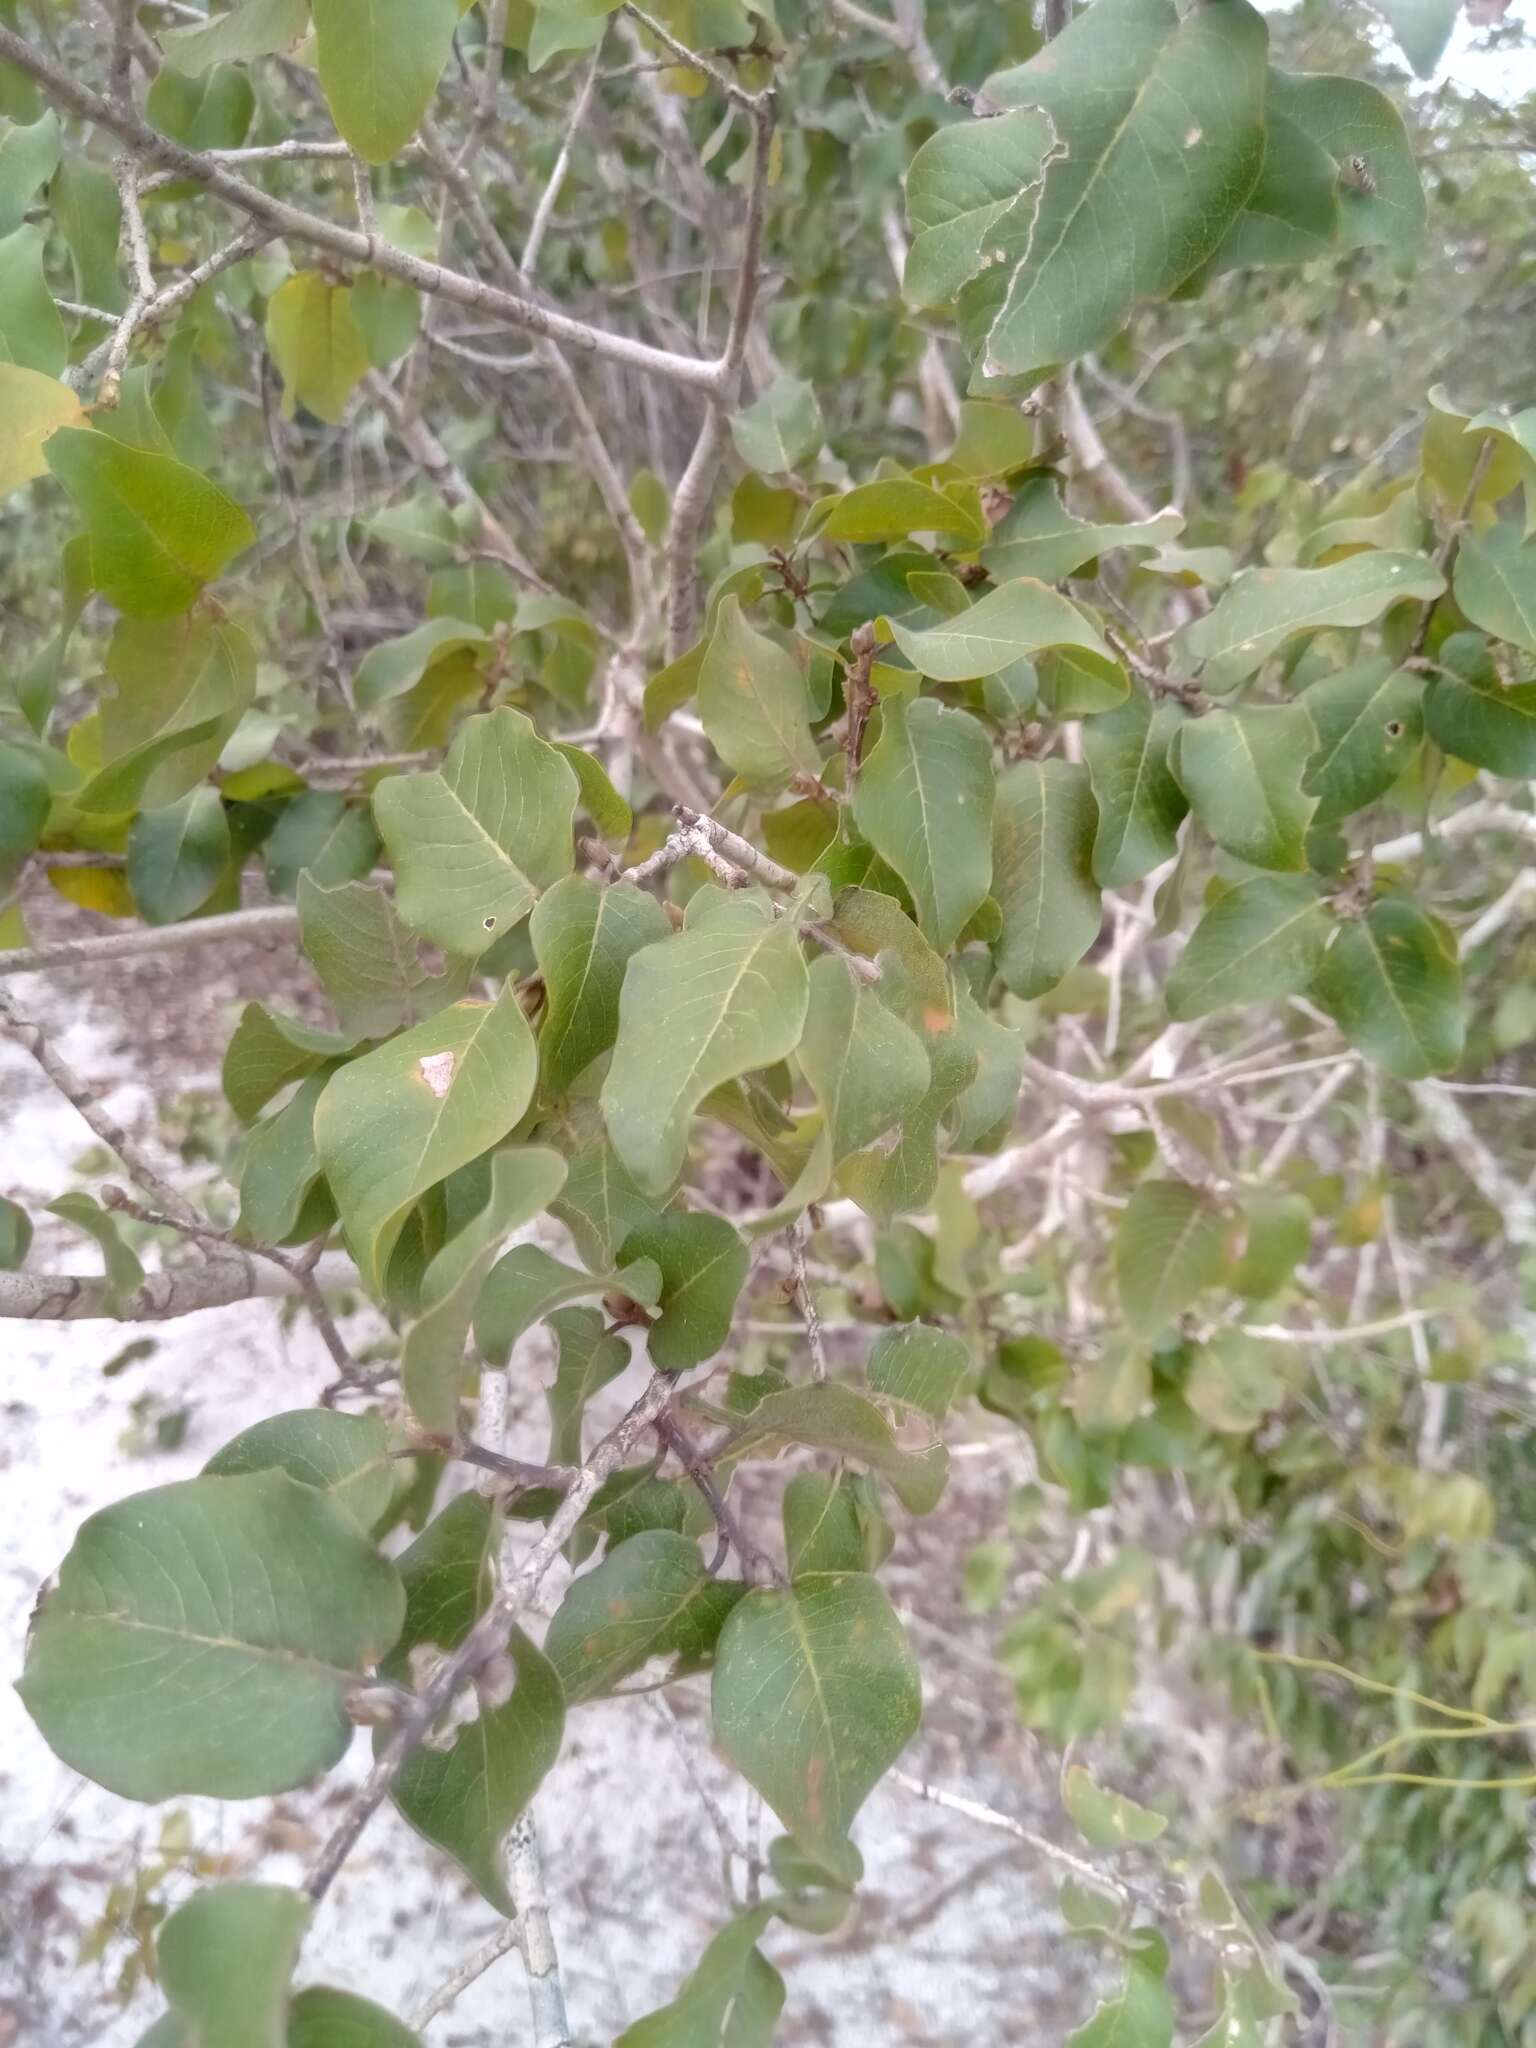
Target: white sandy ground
<point>955,1937</point>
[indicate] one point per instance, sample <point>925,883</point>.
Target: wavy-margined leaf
<point>1039,537</point>
<point>1171,1246</point>
<point>463,1799</point>
<point>583,939</point>
<point>31,331</point>
<point>395,667</point>
<point>1043,832</point>
<point>959,185</point>
<point>524,1180</point>
<point>782,431</point>
<point>1472,714</point>
<point>924,802</point>
<point>526,1284</point>
<point>316,344</point>
<point>476,841</point>
<point>867,1070</point>
<point>754,705</point>
<point>397,1121</point>
<point>892,508</point>
<point>1107,1820</point>
<point>1019,618</point>
<point>1391,981</point>
<point>251,28</point>
<point>1262,609</point>
<point>815,1695</point>
<point>344,1456</point>
<point>1257,943</point>
<point>369,962</point>
<point>920,1366</point>
<point>181,687</point>
<point>268,1052</point>
<point>1369,721</point>
<point>1495,581</point>
<point>379,67</point>
<point>726,995</point>
<point>1141,805</point>
<point>703,1264</point>
<point>1141,2014</point>
<point>1242,771</point>
<point>650,1597</point>
<point>837,1418</point>
<point>158,530</point>
<point>732,2000</point>
<point>226,1958</point>
<point>177,855</point>
<point>1161,126</point>
<point>33,407</point>
<point>258,1601</point>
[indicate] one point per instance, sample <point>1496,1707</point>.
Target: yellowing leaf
<point>32,407</point>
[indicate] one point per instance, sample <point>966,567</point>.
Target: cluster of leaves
<point>950,716</point>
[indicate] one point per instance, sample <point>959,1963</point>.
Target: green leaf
<point>836,1418</point>
<point>924,802</point>
<point>650,1597</point>
<point>122,1271</point>
<point>182,686</point>
<point>1279,1238</point>
<point>343,1456</point>
<point>396,666</point>
<point>1351,119</point>
<point>960,184</point>
<point>251,28</point>
<point>212,112</point>
<point>259,1602</point>
<point>87,210</point>
<point>1141,805</point>
<point>833,1524</point>
<point>1112,1388</point>
<point>892,509</point>
<point>1017,619</point>
<point>1293,212</point>
<point>782,431</point>
<point>322,2018</point>
<point>1422,27</point>
<point>475,842</point>
<point>866,1068</point>
<point>1369,722</point>
<point>1233,1384</point>
<point>268,1052</point>
<point>226,1958</point>
<point>322,837</point>
<point>32,409</point>
<point>280,1169</point>
<point>1039,537</point>
<point>609,811</point>
<point>1171,1246</point>
<point>815,1695</point>
<point>1105,1819</point>
<point>919,1366</point>
<point>1392,983</point>
<point>703,1264</point>
<point>29,156</point>
<point>524,1180</point>
<point>1495,581</point>
<point>392,1124</point>
<point>726,995</point>
<point>1264,608</point>
<point>1142,2016</point>
<point>1043,833</point>
<point>31,332</point>
<point>1258,943</point>
<point>369,963</point>
<point>588,1359</point>
<point>600,1203</point>
<point>25,800</point>
<point>15,1235</point>
<point>1242,771</point>
<point>526,1284</point>
<point>1160,129</point>
<point>732,2000</point>
<point>158,530</point>
<point>463,1799</point>
<point>754,705</point>
<point>177,855</point>
<point>1470,713</point>
<point>583,939</point>
<point>379,67</point>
